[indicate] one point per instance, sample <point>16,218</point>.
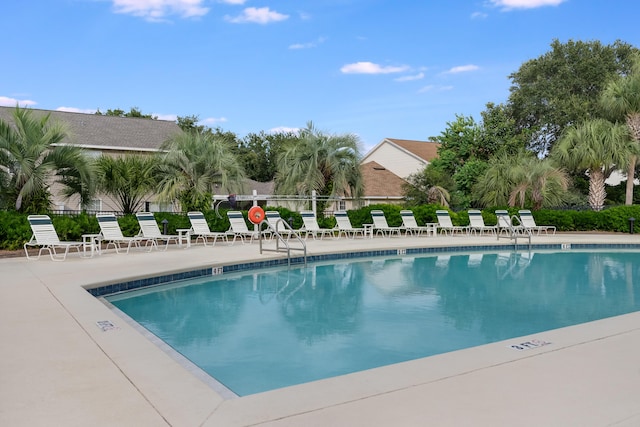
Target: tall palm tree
<point>128,179</point>
<point>195,166</point>
<point>597,147</point>
<point>33,156</point>
<point>621,99</point>
<point>328,164</point>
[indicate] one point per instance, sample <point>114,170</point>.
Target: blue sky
<point>374,68</point>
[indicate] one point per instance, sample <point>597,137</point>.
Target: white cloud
<point>158,10</point>
<point>307,45</point>
<point>433,88</point>
<point>167,117</point>
<point>262,15</point>
<point>418,76</point>
<point>463,69</point>
<point>75,110</point>
<point>525,4</point>
<point>283,129</point>
<point>371,68</point>
<point>233,1</point>
<point>12,102</point>
<point>213,120</point>
<point>478,15</point>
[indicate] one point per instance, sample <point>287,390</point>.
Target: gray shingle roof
<point>108,132</point>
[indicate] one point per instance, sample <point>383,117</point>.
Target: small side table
<point>91,242</point>
<point>432,228</point>
<point>368,230</point>
<point>184,234</point>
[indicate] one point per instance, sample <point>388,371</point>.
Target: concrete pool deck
<point>60,368</point>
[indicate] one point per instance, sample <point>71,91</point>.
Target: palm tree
<point>538,181</point>
<point>128,179</point>
<point>597,147</point>
<point>495,186</point>
<point>328,164</point>
<point>621,99</point>
<point>520,180</point>
<point>195,165</point>
<point>33,156</point>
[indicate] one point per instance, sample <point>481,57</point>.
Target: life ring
<point>256,214</point>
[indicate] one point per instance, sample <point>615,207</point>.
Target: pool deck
<point>60,368</point>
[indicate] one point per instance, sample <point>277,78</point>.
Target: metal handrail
<point>280,239</point>
<point>513,232</point>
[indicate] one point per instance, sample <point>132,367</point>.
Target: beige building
<point>388,164</point>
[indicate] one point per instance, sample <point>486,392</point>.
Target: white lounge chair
<point>477,224</point>
<point>277,224</point>
<point>310,226</point>
<point>446,226</point>
<point>200,229</point>
<point>380,225</point>
<point>149,230</point>
<point>529,223</point>
<point>344,225</point>
<point>410,225</point>
<point>45,236</point>
<point>239,227</point>
<point>111,233</point>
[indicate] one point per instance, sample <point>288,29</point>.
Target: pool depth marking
<point>528,345</point>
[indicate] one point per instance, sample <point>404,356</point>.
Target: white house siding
<point>395,160</point>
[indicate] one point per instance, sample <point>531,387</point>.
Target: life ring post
<point>256,215</point>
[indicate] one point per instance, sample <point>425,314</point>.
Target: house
<point>387,165</point>
<point>402,156</point>
<point>108,135</point>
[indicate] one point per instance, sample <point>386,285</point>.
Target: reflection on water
<point>270,329</point>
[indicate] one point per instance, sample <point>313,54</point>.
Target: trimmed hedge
<point>15,230</point>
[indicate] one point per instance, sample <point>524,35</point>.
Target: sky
<point>373,68</point>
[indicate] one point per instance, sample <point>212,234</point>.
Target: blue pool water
<point>268,329</point>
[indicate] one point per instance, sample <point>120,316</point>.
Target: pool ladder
<point>282,243</point>
<point>514,232</point>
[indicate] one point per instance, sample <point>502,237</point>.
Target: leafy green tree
<point>621,101</point>
<point>459,142</point>
<point>195,165</point>
<point>190,124</point>
<point>499,133</point>
<point>133,112</point>
<point>128,179</point>
<point>328,164</point>
<point>259,153</point>
<point>562,87</point>
<point>597,147</point>
<point>33,155</point>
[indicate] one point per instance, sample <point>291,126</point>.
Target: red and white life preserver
<point>256,214</point>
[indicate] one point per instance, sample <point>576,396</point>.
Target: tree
<point>562,87</point>
<point>128,179</point>
<point>259,153</point>
<point>328,164</point>
<point>495,186</point>
<point>195,166</point>
<point>431,185</point>
<point>133,112</point>
<point>33,155</point>
<point>538,182</point>
<point>597,147</point>
<point>621,101</point>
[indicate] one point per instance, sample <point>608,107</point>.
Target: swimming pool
<point>273,328</point>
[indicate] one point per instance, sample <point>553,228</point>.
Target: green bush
<point>15,230</point>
